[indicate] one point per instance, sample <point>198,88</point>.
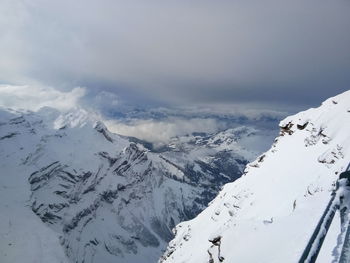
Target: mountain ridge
<point>279,199</point>
<point>100,196</point>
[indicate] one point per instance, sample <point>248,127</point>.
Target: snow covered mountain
<point>73,191</point>
<point>269,214</point>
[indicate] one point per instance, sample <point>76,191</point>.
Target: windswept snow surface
<point>269,214</point>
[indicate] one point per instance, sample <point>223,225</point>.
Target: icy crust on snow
<point>269,214</point>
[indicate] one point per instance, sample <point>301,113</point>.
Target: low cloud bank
<point>33,98</point>
<point>156,125</point>
<point>160,132</point>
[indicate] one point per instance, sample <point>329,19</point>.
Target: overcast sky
<point>293,52</point>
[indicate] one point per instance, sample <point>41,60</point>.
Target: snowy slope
<point>24,238</point>
<point>217,158</point>
<point>79,193</point>
<point>269,214</point>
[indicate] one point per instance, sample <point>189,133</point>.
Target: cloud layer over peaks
<point>33,98</point>
<point>295,52</point>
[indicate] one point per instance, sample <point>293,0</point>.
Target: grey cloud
<point>297,52</point>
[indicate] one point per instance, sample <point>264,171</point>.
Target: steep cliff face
<point>269,214</point>
<point>104,198</point>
